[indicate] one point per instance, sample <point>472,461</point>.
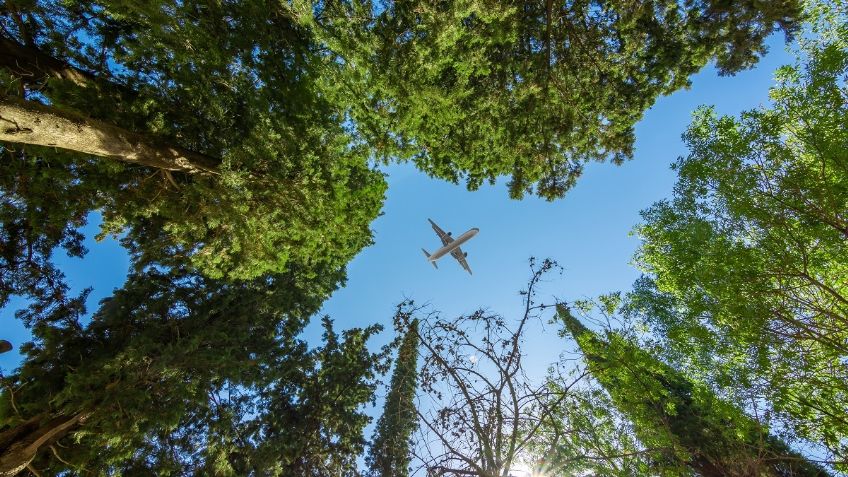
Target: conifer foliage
<point>177,373</point>
<point>389,455</point>
<point>206,129</point>
<point>472,90</point>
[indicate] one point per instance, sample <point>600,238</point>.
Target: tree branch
<point>28,122</point>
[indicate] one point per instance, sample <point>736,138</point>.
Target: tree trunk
<point>27,122</point>
<point>19,445</point>
<point>32,66</point>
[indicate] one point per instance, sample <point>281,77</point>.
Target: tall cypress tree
<point>688,421</point>
<point>389,455</point>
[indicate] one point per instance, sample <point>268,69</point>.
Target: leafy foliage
<point>194,365</point>
<point>292,186</point>
<point>586,434</point>
<point>683,422</point>
<point>746,264</point>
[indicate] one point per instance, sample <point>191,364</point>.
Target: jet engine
<point>466,254</point>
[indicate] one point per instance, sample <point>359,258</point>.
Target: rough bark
<point>27,122</point>
<point>32,66</point>
<point>19,445</point>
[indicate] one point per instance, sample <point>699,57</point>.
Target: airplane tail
<point>428,256</point>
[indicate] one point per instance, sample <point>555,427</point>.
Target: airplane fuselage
<point>451,246</point>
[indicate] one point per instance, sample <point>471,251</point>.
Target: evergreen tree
<point>687,420</point>
<point>233,157</point>
<point>472,90</point>
<point>389,455</point>
<point>148,383</point>
<point>236,238</point>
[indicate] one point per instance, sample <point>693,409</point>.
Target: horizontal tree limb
<point>29,122</point>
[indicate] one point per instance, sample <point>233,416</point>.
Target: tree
<point>306,420</point>
<point>41,208</point>
<point>177,87</point>
<point>320,430</point>
<point>471,90</point>
<point>148,383</point>
<point>29,122</point>
<point>587,435</point>
<point>228,262</point>
<point>687,421</point>
<point>478,411</point>
<point>389,455</point>
<point>746,265</point>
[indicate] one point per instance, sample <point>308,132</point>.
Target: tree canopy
<point>177,371</point>
<point>195,365</point>
<point>683,423</point>
<point>284,183</point>
<point>746,264</point>
<point>281,106</point>
<point>233,148</point>
<point>473,90</point>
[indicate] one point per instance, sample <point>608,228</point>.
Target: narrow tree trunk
<point>33,66</point>
<point>19,445</point>
<point>27,122</point>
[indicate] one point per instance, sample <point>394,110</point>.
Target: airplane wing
<point>446,238</point>
<point>460,257</point>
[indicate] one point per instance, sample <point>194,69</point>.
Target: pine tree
<point>691,425</point>
<point>390,453</point>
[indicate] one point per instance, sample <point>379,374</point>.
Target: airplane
<point>451,245</point>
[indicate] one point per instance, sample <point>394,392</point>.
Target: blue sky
<point>587,232</point>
